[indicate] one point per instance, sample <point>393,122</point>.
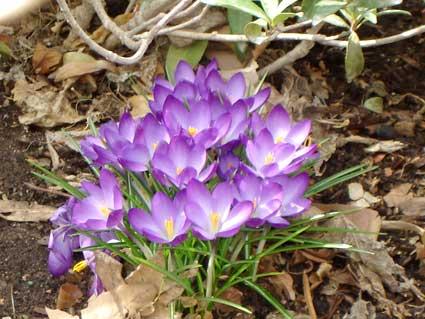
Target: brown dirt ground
<point>26,286</point>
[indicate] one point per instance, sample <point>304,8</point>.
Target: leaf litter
<point>144,293</point>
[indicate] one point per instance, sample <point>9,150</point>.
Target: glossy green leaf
<point>371,16</point>
<point>354,59</point>
<point>375,3</point>
<point>336,21</point>
<point>237,22</point>
<point>192,54</point>
<point>246,6</point>
<point>282,17</point>
<point>270,7</point>
<point>317,10</point>
<point>254,31</point>
<point>285,4</point>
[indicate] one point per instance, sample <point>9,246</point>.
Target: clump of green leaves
<point>349,15</point>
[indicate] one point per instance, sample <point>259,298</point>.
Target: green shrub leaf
<point>246,6</point>
<point>192,54</point>
<point>354,59</point>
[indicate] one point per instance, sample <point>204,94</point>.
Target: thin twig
<point>301,50</point>
<point>308,297</point>
<point>183,14</point>
<point>111,56</point>
<point>111,26</point>
<point>319,38</point>
<point>46,190</point>
<point>130,6</point>
<point>185,24</point>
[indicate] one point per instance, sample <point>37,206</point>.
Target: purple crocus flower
<point>293,200</point>
<point>96,150</point>
<point>63,240</point>
<point>269,159</point>
<point>228,164</point>
<point>195,121</point>
<point>166,223</point>
<point>212,214</point>
<point>181,160</point>
<point>154,134</point>
<point>279,124</point>
<point>265,196</point>
<point>103,207</point>
<point>239,124</point>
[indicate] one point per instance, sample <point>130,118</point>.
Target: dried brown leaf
<point>413,207</point>
<point>398,195</point>
<point>45,60</point>
<point>231,294</point>
<point>283,285</point>
<point>109,271</point>
<point>68,296</point>
<point>362,310</point>
<point>24,212</point>
<point>75,69</point>
<point>139,106</point>
<point>42,105</point>
<point>59,314</point>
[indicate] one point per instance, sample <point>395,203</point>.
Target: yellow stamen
<point>105,211</point>
<point>80,266</point>
<point>154,146</point>
<point>215,221</point>
<point>279,139</point>
<point>269,158</point>
<point>254,203</point>
<point>179,170</point>
<point>169,228</point>
<point>192,131</point>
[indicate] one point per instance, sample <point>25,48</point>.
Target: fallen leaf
<point>75,69</point>
<point>59,314</point>
<point>374,104</point>
<point>42,105</point>
<point>413,207</point>
<point>68,296</point>
<point>231,294</point>
<point>139,106</point>
<point>405,128</point>
<point>145,292</point>
<point>109,269</point>
<point>362,310</point>
<point>385,146</point>
<point>398,195</point>
<point>44,60</point>
<point>373,268</point>
<point>25,212</point>
<point>283,285</point>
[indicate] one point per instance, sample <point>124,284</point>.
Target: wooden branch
<point>319,38</point>
<point>300,51</point>
<point>111,56</point>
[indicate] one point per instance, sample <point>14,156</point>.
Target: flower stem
<point>210,270</point>
<point>260,249</point>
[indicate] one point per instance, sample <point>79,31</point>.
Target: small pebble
<point>355,191</point>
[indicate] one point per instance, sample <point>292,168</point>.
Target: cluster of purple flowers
<point>205,139</point>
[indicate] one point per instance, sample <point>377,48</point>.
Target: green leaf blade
<point>354,59</point>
